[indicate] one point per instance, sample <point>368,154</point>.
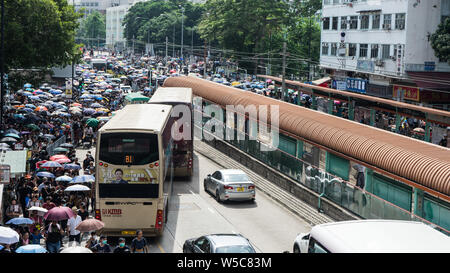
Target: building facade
<point>114,19</point>
<point>382,48</point>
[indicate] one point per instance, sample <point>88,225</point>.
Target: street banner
<point>409,93</point>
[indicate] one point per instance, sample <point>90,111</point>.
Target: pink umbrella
<point>63,160</point>
<point>90,225</point>
<point>57,157</point>
<point>59,214</point>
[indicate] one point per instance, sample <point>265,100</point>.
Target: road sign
<point>69,88</point>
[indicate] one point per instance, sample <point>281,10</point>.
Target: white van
<point>372,236</point>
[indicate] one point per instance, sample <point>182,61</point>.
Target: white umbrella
<point>40,211</point>
<point>76,249</point>
<point>8,236</point>
<point>77,188</point>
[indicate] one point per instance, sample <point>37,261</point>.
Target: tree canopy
<point>93,28</point>
<point>40,33</point>
<point>440,41</point>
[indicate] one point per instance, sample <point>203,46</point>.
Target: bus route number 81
<point>129,159</point>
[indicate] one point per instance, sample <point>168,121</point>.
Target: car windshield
<point>235,249</point>
<point>235,177</point>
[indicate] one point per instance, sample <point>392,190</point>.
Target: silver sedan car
<point>230,185</point>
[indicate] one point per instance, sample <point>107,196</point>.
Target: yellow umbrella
<point>235,83</point>
<point>102,110</point>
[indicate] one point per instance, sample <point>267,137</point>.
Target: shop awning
<point>321,81</point>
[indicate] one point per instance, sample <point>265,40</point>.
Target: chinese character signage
<point>68,88</point>
<point>5,174</point>
<point>408,93</point>
<point>356,85</point>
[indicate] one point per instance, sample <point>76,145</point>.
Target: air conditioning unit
<point>386,26</point>
<point>401,26</point>
<point>379,62</point>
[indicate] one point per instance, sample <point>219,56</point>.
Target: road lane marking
<point>211,210</point>
<point>192,192</point>
<point>160,248</point>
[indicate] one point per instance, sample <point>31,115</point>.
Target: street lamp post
<point>182,27</point>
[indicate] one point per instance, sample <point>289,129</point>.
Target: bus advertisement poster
<point>117,175</point>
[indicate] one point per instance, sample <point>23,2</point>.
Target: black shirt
<point>124,249</point>
<point>84,215</point>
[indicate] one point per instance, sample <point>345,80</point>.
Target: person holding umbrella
<point>72,223</point>
<point>53,237</point>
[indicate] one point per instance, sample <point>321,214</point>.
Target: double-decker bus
<point>134,172</point>
<point>183,151</point>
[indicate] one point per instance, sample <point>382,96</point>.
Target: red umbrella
<point>90,225</point>
<point>56,157</point>
<point>59,214</point>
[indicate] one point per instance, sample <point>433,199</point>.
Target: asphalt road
<point>193,213</point>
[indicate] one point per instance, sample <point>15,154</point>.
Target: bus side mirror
<point>208,175</point>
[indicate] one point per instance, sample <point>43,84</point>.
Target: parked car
<point>230,185</point>
<point>219,243</point>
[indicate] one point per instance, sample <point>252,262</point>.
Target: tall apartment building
<point>382,48</point>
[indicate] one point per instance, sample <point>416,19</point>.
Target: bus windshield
<point>128,148</point>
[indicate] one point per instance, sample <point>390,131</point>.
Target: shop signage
<point>356,85</point>
<point>408,93</point>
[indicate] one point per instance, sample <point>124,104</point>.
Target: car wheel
<point>218,196</point>
<point>204,186</point>
<point>185,250</point>
<point>296,249</point>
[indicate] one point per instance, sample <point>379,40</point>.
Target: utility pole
<point>167,45</point>
<point>204,69</point>
<point>173,41</point>
<point>192,43</point>
<point>309,47</point>
<point>133,45</point>
<point>182,32</point>
<point>283,84</point>
<point>2,62</point>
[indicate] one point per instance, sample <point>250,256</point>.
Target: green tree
<point>40,34</point>
<point>93,29</point>
<point>153,21</point>
<point>440,41</point>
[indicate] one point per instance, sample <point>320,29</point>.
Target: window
<point>387,21</point>
<point>335,23</point>
<point>324,49</point>
<point>351,50</point>
<point>353,22</point>
<point>326,2</point>
<point>344,22</point>
<point>326,23</point>
<point>385,51</point>
<point>365,22</point>
<point>335,2</point>
<point>374,51</point>
<point>363,50</point>
<point>333,49</point>
<point>400,21</point>
<point>376,21</point>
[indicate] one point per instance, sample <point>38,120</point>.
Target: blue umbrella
<point>72,166</point>
<point>29,89</point>
<point>27,85</point>
<point>62,114</point>
<point>29,110</point>
<point>20,221</point>
<point>83,179</point>
<point>96,105</point>
<point>39,92</point>
<point>49,136</point>
<point>45,174</point>
<point>86,96</point>
<point>12,135</point>
<point>51,164</point>
<point>64,178</point>
<point>31,249</point>
<point>27,93</point>
<point>88,111</point>
<point>55,92</point>
<point>34,98</point>
<point>13,131</point>
<point>30,106</point>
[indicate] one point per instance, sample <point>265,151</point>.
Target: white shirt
<point>73,223</point>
